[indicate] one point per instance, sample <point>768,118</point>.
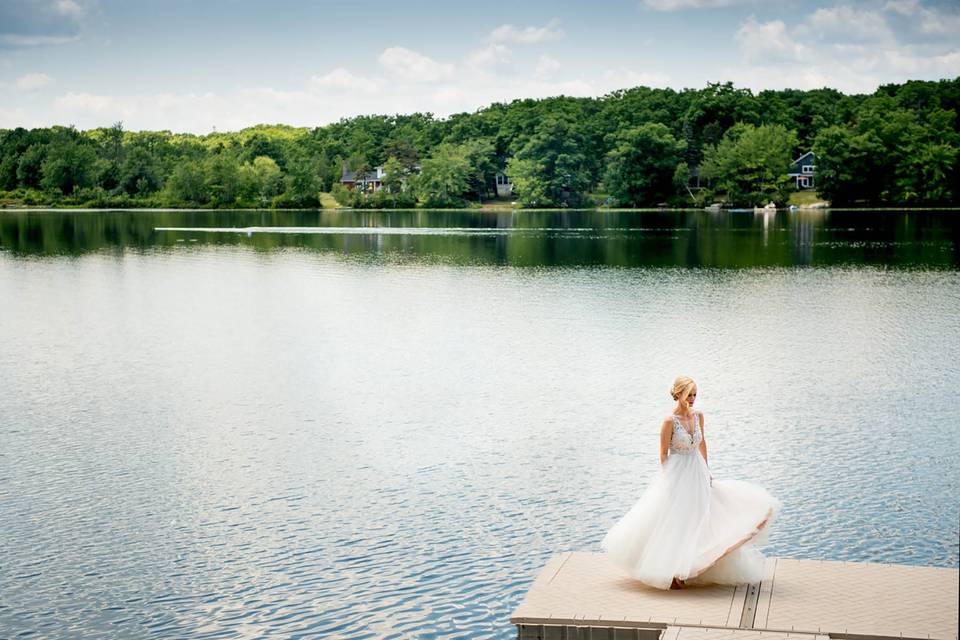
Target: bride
<point>688,528</point>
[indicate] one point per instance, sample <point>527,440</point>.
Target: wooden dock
<point>582,595</point>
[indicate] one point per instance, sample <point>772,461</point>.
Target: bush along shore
<point>639,147</point>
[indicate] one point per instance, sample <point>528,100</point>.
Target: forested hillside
<point>631,148</point>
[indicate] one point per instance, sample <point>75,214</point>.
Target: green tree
<point>393,178</point>
<point>269,176</point>
<point>750,164</point>
<point>12,144</point>
<point>8,171</point>
<point>528,182</point>
<point>641,166</point>
<point>887,153</point>
<point>109,143</point>
<point>222,174</point>
<point>933,169</point>
<point>845,164</point>
<point>30,166</point>
<point>713,111</point>
<point>445,176</point>
<point>926,160</point>
<point>481,155</point>
<point>260,145</point>
<point>67,167</point>
<point>260,181</point>
<point>140,172</point>
<point>898,145</point>
<point>681,184</point>
<point>560,174</point>
<point>404,151</point>
<point>302,182</point>
<point>188,184</point>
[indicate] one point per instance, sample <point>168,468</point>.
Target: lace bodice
<point>681,441</point>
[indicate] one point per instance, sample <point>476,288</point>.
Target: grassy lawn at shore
<point>327,201</point>
<point>805,198</point>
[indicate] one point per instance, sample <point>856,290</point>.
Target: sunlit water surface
<point>250,434</point>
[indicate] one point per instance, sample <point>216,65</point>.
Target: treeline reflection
<point>527,238</point>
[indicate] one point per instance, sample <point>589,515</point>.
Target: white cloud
<point>528,35</point>
<point>341,80</point>
<point>929,19</point>
<point>894,21</point>
<point>803,52</point>
<point>32,81</point>
<point>18,40</point>
<point>849,47</point>
<point>845,24</point>
<point>321,99</point>
<point>489,56</point>
<point>546,66</point>
<point>576,87</point>
<point>37,23</point>
<point>198,113</point>
<point>86,102</point>
<point>627,78</point>
<point>20,117</point>
<point>801,77</point>
<point>676,5</point>
<point>68,8</point>
<point>905,7</point>
<point>946,65</point>
<point>766,41</point>
<point>412,66</point>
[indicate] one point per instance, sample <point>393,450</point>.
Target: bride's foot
<point>676,584</point>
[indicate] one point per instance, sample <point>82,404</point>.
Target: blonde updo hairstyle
<point>681,388</point>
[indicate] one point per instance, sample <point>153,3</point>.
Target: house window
<point>502,179</point>
<point>804,182</point>
<point>807,168</point>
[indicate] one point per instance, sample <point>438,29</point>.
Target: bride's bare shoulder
<point>666,428</point>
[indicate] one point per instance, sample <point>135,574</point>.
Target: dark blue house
<point>803,170</point>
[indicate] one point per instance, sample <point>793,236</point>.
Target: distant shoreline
<point>640,148</point>
<point>479,210</point>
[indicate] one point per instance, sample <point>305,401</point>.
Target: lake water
<point>364,425</point>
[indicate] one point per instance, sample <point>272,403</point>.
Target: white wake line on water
<point>413,231</point>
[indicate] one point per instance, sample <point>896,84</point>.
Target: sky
<point>204,65</point>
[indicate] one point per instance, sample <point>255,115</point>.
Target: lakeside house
<point>803,171</point>
<point>368,182</point>
<point>504,186</point>
<point>371,181</point>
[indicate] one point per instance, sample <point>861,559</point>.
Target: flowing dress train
<point>686,526</point>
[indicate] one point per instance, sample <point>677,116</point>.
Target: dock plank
<point>855,598</point>
<point>587,588</point>
<point>803,599</point>
<point>706,633</point>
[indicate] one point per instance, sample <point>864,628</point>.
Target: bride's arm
<point>666,434</point>
<point>703,447</point>
<point>703,440</point>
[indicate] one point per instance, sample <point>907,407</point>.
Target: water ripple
<point>215,443</point>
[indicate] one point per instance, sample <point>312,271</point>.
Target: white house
<point>504,186</point>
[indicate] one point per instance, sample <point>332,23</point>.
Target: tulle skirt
<point>685,528</point>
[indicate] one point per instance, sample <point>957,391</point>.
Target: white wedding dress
<point>689,527</point>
